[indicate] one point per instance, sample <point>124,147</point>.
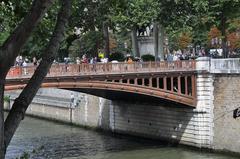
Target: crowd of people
<point>24,61</point>
<point>174,56</point>
<point>179,55</point>
<point>85,60</point>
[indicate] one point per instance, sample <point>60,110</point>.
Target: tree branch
<point>21,104</point>
<point>12,46</point>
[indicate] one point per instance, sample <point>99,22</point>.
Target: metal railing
<point>106,68</point>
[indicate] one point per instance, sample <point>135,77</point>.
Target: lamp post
<point>228,46</point>
<point>216,42</point>
<point>166,42</point>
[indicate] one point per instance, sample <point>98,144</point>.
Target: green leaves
<point>86,44</point>
<point>195,16</point>
<point>131,13</point>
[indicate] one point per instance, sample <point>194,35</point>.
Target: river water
<point>43,139</point>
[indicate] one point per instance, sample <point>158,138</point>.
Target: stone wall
<point>146,45</point>
<point>168,121</point>
<point>226,99</point>
<point>209,125</point>
<point>55,104</point>
<point>204,110</point>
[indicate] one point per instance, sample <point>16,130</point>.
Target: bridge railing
<point>231,65</point>
<point>106,68</point>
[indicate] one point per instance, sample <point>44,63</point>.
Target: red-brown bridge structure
<point>168,81</point>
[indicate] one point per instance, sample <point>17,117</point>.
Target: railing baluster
<point>179,85</point>
<point>108,68</point>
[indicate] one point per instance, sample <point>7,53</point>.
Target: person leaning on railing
<point>130,64</point>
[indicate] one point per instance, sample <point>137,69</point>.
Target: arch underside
<point>118,91</point>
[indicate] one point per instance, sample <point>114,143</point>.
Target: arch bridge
<point>171,81</point>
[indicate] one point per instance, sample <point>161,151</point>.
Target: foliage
<point>234,40</point>
<point>13,11</point>
<point>6,98</point>
<point>86,44</point>
<point>180,39</point>
<point>127,14</point>
<point>198,16</point>
<point>148,57</point>
<point>25,155</point>
<point>6,14</point>
<point>213,34</point>
<point>89,14</point>
<point>123,42</point>
<point>40,36</point>
<point>184,40</point>
<point>234,33</point>
<point>116,56</point>
<point>112,42</point>
<point>234,25</point>
<point>219,9</point>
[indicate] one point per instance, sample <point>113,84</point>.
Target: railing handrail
<point>106,68</point>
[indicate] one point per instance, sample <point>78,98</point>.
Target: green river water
<point>43,139</point>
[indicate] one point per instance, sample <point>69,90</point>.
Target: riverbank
<point>37,137</point>
<point>158,122</point>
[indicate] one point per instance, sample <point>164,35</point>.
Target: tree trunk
<point>161,42</point>
<point>106,39</point>
<point>2,146</point>
<point>135,42</point>
<point>155,38</point>
<point>21,104</point>
<point>96,46</point>
<point>223,31</point>
<point>12,46</point>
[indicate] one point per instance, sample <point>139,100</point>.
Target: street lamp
<point>216,42</point>
<point>166,42</point>
<point>225,48</point>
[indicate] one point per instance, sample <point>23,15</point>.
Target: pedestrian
<point>129,61</point>
<point>34,61</point>
<point>24,64</point>
<point>66,64</point>
<point>78,61</point>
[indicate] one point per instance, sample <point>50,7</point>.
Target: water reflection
<point>43,139</point>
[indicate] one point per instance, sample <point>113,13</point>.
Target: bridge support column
<point>193,82</point>
<point>135,81</point>
<point>179,85</point>
<point>186,85</point>
<point>204,109</point>
<point>165,83</point>
<point>150,82</point>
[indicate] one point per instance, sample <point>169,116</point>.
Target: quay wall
<point>209,125</point>
<point>226,100</point>
<point>164,121</point>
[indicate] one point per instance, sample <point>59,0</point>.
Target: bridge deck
<point>170,81</point>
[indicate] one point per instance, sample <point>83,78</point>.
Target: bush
<point>148,57</point>
<point>6,98</point>
<point>116,56</point>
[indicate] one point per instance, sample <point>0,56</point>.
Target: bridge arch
<point>114,89</point>
<point>174,81</point>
